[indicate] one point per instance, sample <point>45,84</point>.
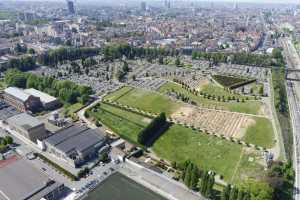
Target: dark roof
<point>76,138</point>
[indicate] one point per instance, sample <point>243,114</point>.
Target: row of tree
<point>149,134</point>
<point>67,91</point>
<point>235,58</point>
<point>117,51</point>
<point>196,179</point>
<point>22,64</point>
<point>281,102</point>
<point>53,57</point>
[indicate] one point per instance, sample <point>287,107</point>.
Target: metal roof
<point>24,121</point>
<point>76,138</point>
<point>17,92</point>
<point>45,98</point>
<point>19,179</point>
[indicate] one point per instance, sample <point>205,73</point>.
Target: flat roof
<point>7,111</point>
<point>45,98</point>
<point>75,138</point>
<point>19,179</point>
<point>17,92</point>
<point>24,121</point>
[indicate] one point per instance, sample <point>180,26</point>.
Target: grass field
<point>230,81</point>
<point>250,107</point>
<point>113,189</point>
<point>126,124</point>
<point>180,144</point>
<point>248,167</point>
<point>261,133</point>
<point>117,94</point>
<point>145,100</point>
<point>214,89</point>
<point>71,109</point>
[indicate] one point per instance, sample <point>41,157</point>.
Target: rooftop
<point>46,98</point>
<point>17,92</point>
<point>7,111</point>
<point>25,121</point>
<point>19,179</point>
<point>75,137</point>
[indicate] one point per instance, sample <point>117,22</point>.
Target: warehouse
<point>21,100</point>
<point>28,127</point>
<point>29,99</point>
<point>49,102</point>
<point>76,144</point>
<point>20,180</point>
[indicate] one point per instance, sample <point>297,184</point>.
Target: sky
<point>255,1</point>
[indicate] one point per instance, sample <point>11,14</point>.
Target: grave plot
<point>219,122</point>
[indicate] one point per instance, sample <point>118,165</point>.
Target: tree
<point>161,60</point>
<point>177,62</point>
<point>8,139</point>
<point>156,127</point>
<point>261,90</point>
<point>188,175</point>
<point>233,193</point>
<point>226,192</point>
<point>194,177</point>
<point>103,157</point>
<point>31,51</point>
<point>125,67</point>
<point>3,142</point>
<point>258,190</point>
<point>210,185</point>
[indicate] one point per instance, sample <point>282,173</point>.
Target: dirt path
<point>237,166</point>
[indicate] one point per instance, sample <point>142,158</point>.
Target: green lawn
<point>180,144</point>
<point>214,89</point>
<point>260,133</point>
<point>71,109</point>
<point>248,168</point>
<point>230,81</point>
<point>146,100</point>
<point>117,94</point>
<point>125,124</point>
<point>250,107</point>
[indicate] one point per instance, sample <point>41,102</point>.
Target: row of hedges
<point>232,82</point>
<point>157,126</point>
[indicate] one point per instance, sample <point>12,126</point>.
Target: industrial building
<point>76,144</point>
<point>20,181</point>
<point>49,102</point>
<point>28,127</point>
<point>21,100</point>
<point>29,99</point>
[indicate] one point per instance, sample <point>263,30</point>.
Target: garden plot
<point>219,122</point>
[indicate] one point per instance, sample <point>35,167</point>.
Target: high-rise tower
<point>71,8</point>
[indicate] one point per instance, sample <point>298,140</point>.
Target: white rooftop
<point>45,98</point>
<point>17,92</point>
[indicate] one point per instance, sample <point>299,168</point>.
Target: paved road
<point>293,94</point>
